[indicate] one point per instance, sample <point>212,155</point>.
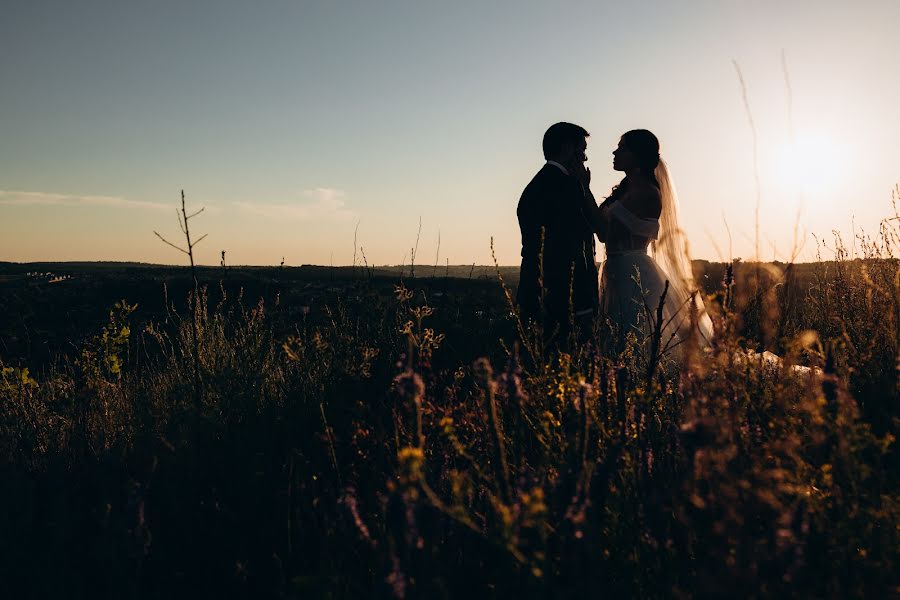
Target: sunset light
<point>811,164</point>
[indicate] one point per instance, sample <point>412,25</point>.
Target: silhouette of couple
<point>646,253</point>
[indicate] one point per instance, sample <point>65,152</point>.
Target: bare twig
<point>790,94</point>
<point>170,243</point>
<point>413,251</point>
<point>752,124</point>
<point>657,335</point>
<point>355,231</point>
<point>437,255</point>
<point>183,219</point>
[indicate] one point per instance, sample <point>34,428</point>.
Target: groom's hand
<point>582,173</point>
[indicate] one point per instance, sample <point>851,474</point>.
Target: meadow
<point>297,433</point>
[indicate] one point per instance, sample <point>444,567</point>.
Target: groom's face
<point>575,153</point>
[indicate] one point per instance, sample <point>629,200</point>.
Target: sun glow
<point>810,164</point>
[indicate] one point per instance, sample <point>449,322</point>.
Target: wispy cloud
<point>315,205</point>
<point>22,198</point>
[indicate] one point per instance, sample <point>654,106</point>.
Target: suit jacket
<point>553,201</point>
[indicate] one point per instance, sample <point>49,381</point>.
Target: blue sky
<point>294,121</point>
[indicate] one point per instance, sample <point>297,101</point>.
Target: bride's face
<point>623,158</point>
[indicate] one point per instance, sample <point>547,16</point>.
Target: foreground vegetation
<point>229,450</point>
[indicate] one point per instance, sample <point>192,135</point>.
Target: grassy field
<point>333,433</point>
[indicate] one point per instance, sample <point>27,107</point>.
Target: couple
<point>559,218</point>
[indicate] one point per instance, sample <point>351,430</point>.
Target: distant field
<point>46,309</point>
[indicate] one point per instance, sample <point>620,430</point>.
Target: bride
<point>645,250</point>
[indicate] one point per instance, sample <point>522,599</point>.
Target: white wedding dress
<point>641,256</point>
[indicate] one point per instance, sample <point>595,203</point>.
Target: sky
<point>301,125</point>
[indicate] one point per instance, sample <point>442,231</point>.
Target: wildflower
<point>483,370</point>
<point>349,500</point>
<point>411,461</point>
<point>396,579</point>
<point>402,294</point>
<point>534,509</point>
<point>506,516</point>
<point>410,386</point>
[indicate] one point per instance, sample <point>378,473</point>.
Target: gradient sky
<point>291,122</point>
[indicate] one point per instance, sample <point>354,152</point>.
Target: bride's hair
<point>645,147</point>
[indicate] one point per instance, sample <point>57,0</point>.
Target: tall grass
<point>361,454</point>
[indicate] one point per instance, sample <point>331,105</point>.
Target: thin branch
<point>730,241</point>
<point>414,251</point>
<point>790,94</point>
<point>181,224</point>
<point>355,231</point>
<point>437,255</point>
<point>170,243</point>
<point>195,297</point>
<point>752,124</point>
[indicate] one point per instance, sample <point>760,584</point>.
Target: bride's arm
<point>643,202</point>
<point>597,216</point>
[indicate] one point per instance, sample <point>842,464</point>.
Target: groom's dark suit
<point>553,201</point>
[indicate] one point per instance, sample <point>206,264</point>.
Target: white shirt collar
<point>556,164</point>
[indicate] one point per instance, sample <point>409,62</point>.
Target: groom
<point>558,272</point>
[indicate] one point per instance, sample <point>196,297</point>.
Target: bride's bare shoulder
<point>644,200</point>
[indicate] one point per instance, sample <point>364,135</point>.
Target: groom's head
<point>565,143</point>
